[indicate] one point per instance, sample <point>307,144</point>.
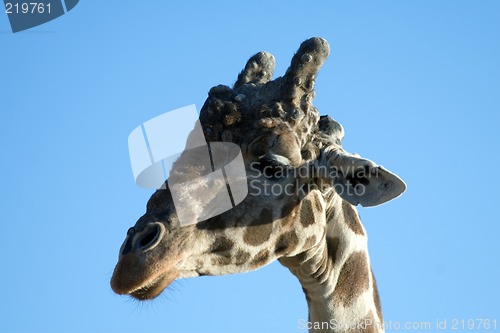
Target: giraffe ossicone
<point>313,228</point>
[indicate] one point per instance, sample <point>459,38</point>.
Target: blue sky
<point>416,85</point>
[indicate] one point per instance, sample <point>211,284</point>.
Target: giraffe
<point>311,226</point>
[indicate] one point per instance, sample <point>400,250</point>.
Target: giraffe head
<point>295,169</point>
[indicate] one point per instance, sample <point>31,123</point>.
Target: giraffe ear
<point>361,181</point>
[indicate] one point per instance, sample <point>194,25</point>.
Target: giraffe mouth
<point>154,287</point>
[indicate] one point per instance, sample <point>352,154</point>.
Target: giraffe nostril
<point>149,238</point>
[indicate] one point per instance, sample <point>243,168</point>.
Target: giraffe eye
<point>273,166</point>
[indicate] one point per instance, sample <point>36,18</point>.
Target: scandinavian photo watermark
<point>454,324</point>
<point>25,14</point>
<point>270,173</point>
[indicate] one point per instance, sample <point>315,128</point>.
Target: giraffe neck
<point>336,276</point>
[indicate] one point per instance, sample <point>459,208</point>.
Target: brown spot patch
<point>260,258</point>
<point>353,279</point>
<point>286,243</point>
<point>221,244</point>
<point>332,244</point>
<point>220,261</point>
<point>241,257</point>
<point>258,234</point>
<point>376,298</point>
<point>307,213</point>
<point>351,219</point>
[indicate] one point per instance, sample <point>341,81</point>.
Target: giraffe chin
<point>153,288</point>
